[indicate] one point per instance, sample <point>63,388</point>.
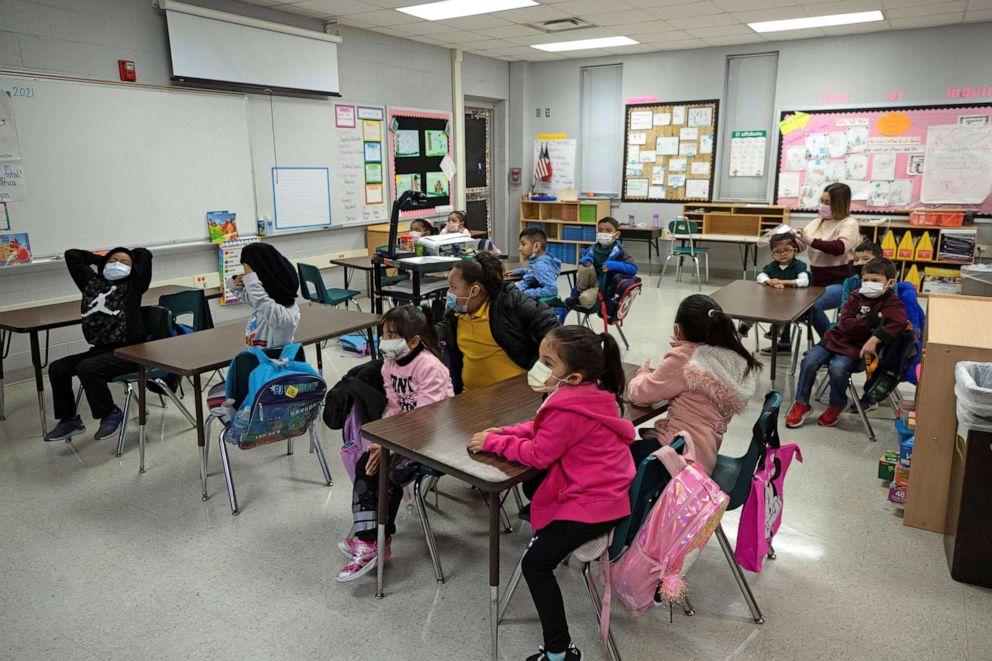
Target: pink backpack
<point>762,513</point>
<point>685,516</point>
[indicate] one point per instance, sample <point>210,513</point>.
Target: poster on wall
<point>420,147</point>
<point>10,148</point>
<point>560,156</point>
<point>894,158</point>
<point>747,153</point>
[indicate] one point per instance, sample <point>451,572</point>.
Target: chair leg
<point>517,497</point>
<point>687,607</point>
<point>597,605</point>
<point>797,338</point>
<point>319,451</point>
<point>861,411</point>
<point>231,495</point>
<point>289,446</point>
<point>122,432</point>
<point>699,281</point>
<point>418,495</point>
<point>623,337</point>
<point>79,397</point>
<point>771,552</point>
<point>175,400</point>
<point>664,268</point>
<point>728,552</point>
<point>511,587</point>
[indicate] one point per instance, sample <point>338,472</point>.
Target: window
<point>602,129</point>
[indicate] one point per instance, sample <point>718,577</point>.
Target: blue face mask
<point>451,301</point>
<point>116,271</point>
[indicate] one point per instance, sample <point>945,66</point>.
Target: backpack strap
<point>289,351</point>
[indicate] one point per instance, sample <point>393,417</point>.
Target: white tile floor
<point>99,562</point>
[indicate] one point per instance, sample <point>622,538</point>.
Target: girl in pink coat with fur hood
<point>707,378</point>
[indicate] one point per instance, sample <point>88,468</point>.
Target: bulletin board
<point>894,159</point>
<point>418,144</point>
<point>669,151</point>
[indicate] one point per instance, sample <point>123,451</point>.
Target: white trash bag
<point>973,390</point>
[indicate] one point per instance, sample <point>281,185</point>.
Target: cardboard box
<point>887,465</point>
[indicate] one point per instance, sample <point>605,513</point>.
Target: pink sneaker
<point>347,547</point>
<point>362,561</point>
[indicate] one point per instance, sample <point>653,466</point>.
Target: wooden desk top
<point>363,263</point>
<point>653,231</point>
<point>726,238</point>
<point>749,301</point>
<point>964,321</point>
<point>207,350</point>
<point>58,315</point>
<point>437,435</point>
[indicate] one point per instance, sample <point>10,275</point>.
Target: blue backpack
<point>284,396</point>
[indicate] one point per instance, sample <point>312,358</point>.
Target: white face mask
<point>537,378</point>
<point>604,238</point>
<point>872,289</point>
<point>116,271</point>
<point>394,349</point>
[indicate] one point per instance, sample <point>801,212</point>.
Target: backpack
<point>617,296</point>
<point>682,520</point>
<point>894,361</point>
<point>762,513</point>
<point>284,396</point>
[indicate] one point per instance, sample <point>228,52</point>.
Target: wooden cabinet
<point>958,328</point>
<point>570,226</point>
<point>915,251</point>
<point>378,235</point>
<point>738,219</point>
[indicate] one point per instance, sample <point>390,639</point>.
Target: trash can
<point>968,526</point>
<point>976,279</point>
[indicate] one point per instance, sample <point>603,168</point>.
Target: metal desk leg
<point>320,358</point>
<point>39,381</point>
<point>494,572</point>
<point>142,417</point>
<point>201,435</point>
<point>381,516</point>
<point>4,344</point>
<point>776,329</point>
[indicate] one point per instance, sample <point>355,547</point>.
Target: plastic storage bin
<point>572,233</point>
<point>976,279</point>
<point>936,218</point>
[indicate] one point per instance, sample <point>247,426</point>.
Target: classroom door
<point>478,160</point>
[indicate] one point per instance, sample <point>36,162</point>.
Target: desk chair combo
<point>683,231</point>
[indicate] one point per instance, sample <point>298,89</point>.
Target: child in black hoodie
<point>111,312</point>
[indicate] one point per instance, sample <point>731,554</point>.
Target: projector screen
<point>210,45</point>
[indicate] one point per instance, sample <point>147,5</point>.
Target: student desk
<point>748,301</point>
<point>648,235</point>
<point>747,246</point>
<point>437,436</point>
<point>33,320</point>
<point>358,264</point>
<point>196,353</point>
<point>567,270</point>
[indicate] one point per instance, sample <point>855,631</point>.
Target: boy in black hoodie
<point>111,312</point>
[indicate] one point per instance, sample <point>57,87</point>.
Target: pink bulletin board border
<point>923,117</point>
<point>423,114</point>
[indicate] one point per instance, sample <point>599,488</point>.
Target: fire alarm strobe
<point>128,72</point>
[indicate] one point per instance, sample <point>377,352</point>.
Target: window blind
<point>601,140</point>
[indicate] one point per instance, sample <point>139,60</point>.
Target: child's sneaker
<point>109,424</point>
<point>853,409</point>
<point>363,560</point>
<point>829,417</point>
<point>66,429</point>
<point>571,654</point>
<point>347,547</point>
<point>797,415</point>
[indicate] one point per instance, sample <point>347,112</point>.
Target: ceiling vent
<point>561,25</point>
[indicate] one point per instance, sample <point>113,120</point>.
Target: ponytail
<point>595,356</point>
<point>702,320</point>
<point>486,269</point>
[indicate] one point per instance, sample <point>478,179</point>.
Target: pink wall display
<point>882,154</point>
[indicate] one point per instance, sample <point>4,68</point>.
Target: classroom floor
<point>99,562</point>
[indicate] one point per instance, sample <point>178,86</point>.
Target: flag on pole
<point>543,169</point>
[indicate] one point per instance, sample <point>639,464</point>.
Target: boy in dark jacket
<point>112,287</point>
<point>872,316</point>
<point>609,258</point>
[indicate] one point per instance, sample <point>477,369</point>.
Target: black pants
<point>365,501</point>
<point>95,369</point>
<point>547,549</point>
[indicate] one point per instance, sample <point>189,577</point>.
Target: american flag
<point>543,169</point>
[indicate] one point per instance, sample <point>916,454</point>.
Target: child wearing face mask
<point>112,286</point>
<point>707,377</point>
<point>580,439</point>
<point>608,257</point>
<point>456,224</point>
<point>863,253</point>
<point>872,316</point>
<point>413,376</point>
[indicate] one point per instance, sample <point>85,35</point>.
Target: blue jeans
<point>830,300</point>
<point>839,368</point>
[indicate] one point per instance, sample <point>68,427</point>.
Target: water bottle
<point>630,220</point>
<point>656,221</point>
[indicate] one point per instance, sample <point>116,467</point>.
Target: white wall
<point>922,63</point>
<point>86,38</point>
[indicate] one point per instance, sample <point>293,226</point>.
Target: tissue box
<point>887,465</point>
<point>897,495</point>
<point>902,476</point>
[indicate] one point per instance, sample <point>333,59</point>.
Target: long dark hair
<point>840,200</point>
<point>702,320</point>
<point>486,269</point>
<point>595,356</point>
<point>409,321</point>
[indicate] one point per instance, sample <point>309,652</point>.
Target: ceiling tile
<point>720,31</point>
<point>393,4</point>
<point>747,5</point>
<point>979,4</point>
<point>333,7</point>
<point>502,32</point>
<point>633,49</point>
<point>685,10</point>
<point>619,17</point>
<point>977,16</point>
<point>488,44</point>
<point>926,10</point>
<point>661,38</point>
<point>653,4</point>
<point>770,14</point>
<point>680,44</point>
<point>926,21</point>
<point>536,14</point>
<point>736,40</point>
<point>857,28</point>
<point>384,17</point>
<point>461,37</point>
<point>703,21</point>
<point>582,7</point>
<point>889,4</point>
<point>423,28</point>
<point>475,22</point>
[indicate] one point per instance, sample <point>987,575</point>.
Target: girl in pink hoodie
<point>707,377</point>
<point>581,440</point>
<point>412,376</point>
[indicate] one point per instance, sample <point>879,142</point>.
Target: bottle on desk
<point>656,220</point>
<point>631,221</point>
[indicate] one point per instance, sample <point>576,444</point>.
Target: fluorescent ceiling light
<point>583,44</point>
<point>817,21</point>
<point>438,11</point>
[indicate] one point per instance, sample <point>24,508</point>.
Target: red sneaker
<point>829,417</point>
<point>797,415</point>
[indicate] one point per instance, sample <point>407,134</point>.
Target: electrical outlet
<point>537,112</point>
<point>547,112</point>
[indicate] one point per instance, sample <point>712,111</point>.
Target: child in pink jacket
<point>580,439</point>
<point>707,378</point>
<point>412,376</point>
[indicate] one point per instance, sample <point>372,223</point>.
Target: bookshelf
<point>920,250</point>
<point>739,219</point>
<point>570,226</point>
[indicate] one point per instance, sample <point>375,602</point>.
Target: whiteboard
<point>300,132</point>
<point>302,198</point>
<point>110,164</point>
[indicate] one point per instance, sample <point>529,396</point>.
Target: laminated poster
<point>698,188</point>
<point>407,143</point>
<point>788,184</point>
<point>637,187</point>
<point>437,184</point>
<point>373,173</point>
<point>795,158</point>
<point>14,248</point>
<point>677,164</point>
<point>371,130</point>
<point>883,166</point>
<point>373,152</point>
<point>700,116</point>
<point>662,118</point>
<point>678,115</point>
<point>437,143</point>
<point>641,120</point>
<point>676,180</point>
<point>706,144</point>
<point>667,146</point>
